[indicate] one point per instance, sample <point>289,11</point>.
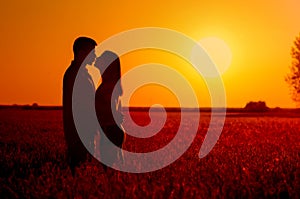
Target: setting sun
<point>219,52</point>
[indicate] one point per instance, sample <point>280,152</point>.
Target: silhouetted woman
<point>108,104</point>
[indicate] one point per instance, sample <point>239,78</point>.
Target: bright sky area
<point>37,36</point>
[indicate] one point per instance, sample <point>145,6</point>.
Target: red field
<point>255,157</point>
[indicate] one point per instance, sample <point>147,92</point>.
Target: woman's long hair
<point>111,76</point>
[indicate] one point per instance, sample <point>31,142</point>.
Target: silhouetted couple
<point>79,97</point>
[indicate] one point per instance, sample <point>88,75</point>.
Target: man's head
<point>82,47</point>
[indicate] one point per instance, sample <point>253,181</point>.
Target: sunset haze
<point>37,37</point>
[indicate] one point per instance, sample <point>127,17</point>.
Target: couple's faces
<point>91,57</point>
<point>98,62</point>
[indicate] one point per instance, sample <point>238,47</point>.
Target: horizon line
<point>137,107</point>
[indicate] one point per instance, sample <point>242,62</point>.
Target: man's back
<point>82,101</point>
<point>76,152</point>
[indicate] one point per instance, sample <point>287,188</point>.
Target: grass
<point>255,157</point>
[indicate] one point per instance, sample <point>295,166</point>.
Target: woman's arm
<point>120,116</point>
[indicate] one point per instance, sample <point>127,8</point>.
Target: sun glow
<point>243,45</point>
<point>219,52</point>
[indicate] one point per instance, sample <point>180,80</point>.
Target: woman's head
<point>109,65</point>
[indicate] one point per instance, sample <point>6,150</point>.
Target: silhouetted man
<point>76,151</point>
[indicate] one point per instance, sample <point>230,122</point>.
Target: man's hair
<point>83,43</point>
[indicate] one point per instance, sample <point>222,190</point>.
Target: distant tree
<point>259,106</point>
<point>293,78</point>
<point>35,105</point>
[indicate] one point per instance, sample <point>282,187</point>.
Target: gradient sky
<point>36,40</point>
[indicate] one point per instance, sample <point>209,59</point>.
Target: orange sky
<point>36,43</point>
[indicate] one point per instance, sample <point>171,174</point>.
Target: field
<point>255,157</point>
